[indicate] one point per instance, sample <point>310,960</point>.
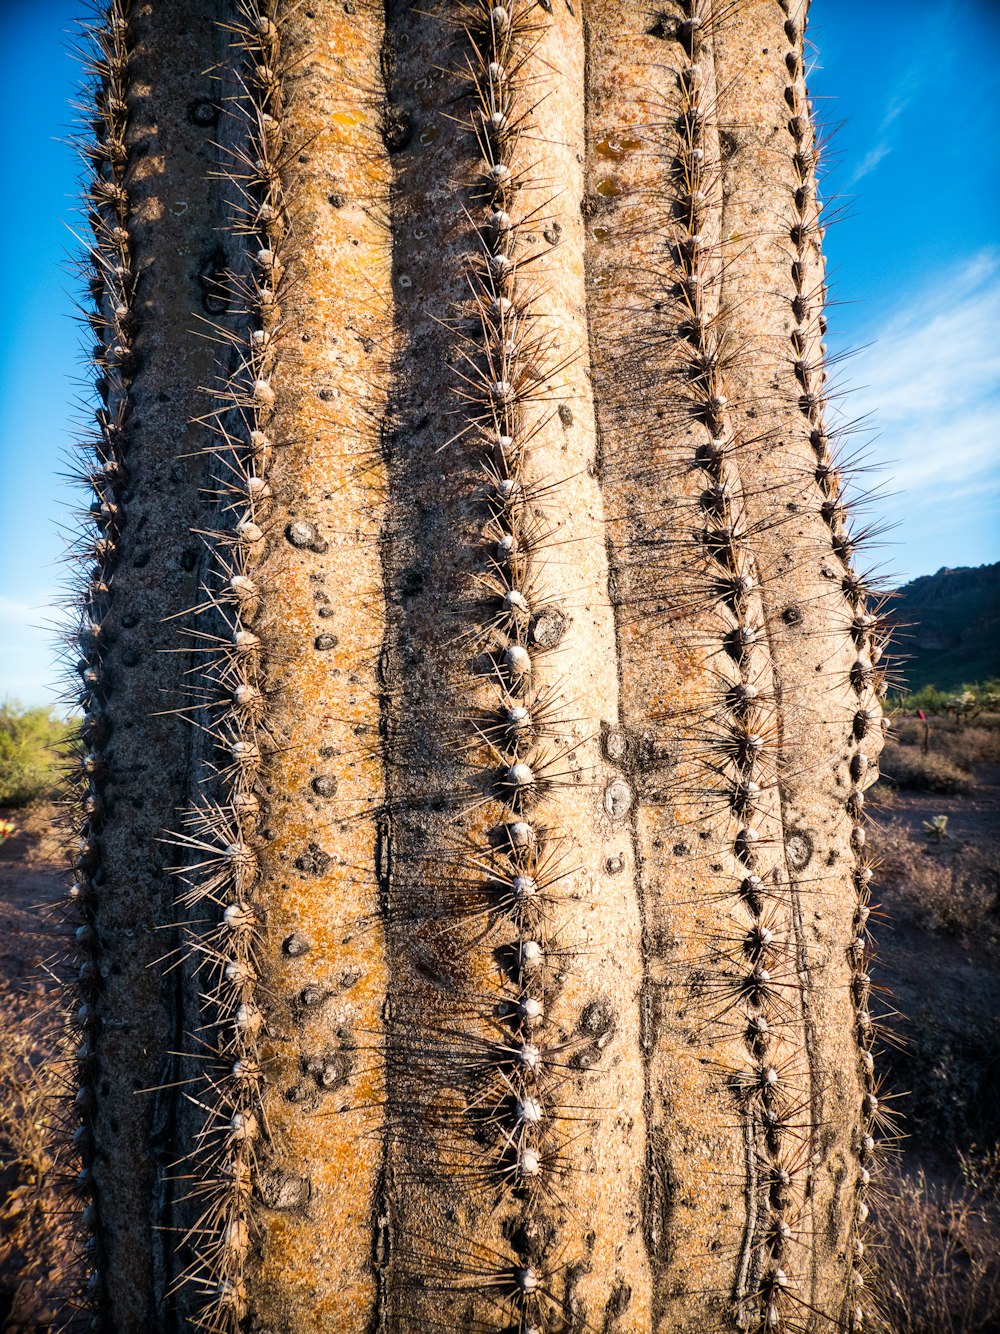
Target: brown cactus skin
<point>151,570</point>
<point>451,1018</point>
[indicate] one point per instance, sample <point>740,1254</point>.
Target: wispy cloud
<point>901,95</point>
<point>869,162</point>
<point>932,389</point>
<point>27,670</point>
<point>29,612</point>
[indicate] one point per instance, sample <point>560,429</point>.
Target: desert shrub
<point>908,767</point>
<point>937,1262</point>
<point>29,742</point>
<point>970,699</point>
<point>928,698</point>
<point>950,888</point>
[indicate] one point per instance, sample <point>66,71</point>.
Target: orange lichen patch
<point>325,968</point>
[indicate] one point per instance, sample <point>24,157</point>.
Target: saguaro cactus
<point>479,694</point>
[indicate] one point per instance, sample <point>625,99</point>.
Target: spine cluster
<point>223,921</point>
<point>866,678</point>
<point>755,987</point>
<point>111,317</point>
<point>515,1105</point>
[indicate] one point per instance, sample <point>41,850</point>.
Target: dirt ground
<point>35,1252</point>
<point>938,938</point>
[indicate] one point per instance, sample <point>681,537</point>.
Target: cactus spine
<point>479,694</point>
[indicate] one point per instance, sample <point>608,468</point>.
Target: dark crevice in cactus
<point>382,1247</point>
<point>383,1204</point>
<point>423,560</point>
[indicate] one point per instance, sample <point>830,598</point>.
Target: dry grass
<point>35,1240</point>
<point>970,744</point>
<point>938,1270</point>
<point>949,1062</point>
<point>940,755</point>
<point>908,768</point>
<point>981,1171</point>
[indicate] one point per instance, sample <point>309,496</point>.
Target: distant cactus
<point>471,887</point>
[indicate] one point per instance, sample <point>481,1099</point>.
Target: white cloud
<point>869,162</point>
<point>932,389</point>
<point>15,612</point>
<point>27,668</point>
<point>902,94</point>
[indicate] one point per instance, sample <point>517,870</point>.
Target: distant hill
<point>948,628</point>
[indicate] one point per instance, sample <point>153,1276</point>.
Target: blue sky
<point>914,87</point>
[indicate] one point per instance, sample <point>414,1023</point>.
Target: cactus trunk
<point>479,694</point>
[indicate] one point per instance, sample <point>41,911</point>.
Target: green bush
<point>29,758</point>
<point>928,698</point>
<point>985,695</point>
